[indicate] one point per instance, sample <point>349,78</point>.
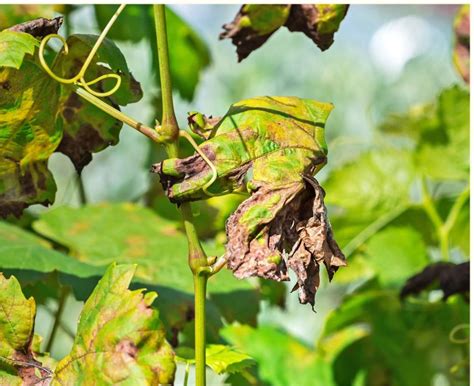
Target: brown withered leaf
<point>40,27</point>
<point>317,21</point>
<point>255,23</point>
<point>297,235</point>
<point>450,278</point>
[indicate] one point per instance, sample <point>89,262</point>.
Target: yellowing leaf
<point>29,134</point>
<point>272,146</point>
<point>120,338</point>
<point>13,48</point>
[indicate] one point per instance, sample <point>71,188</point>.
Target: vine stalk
<point>169,132</point>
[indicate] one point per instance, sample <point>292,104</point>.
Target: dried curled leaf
<point>255,23</point>
<point>462,44</point>
<point>450,278</point>
<point>271,146</point>
<point>40,27</point>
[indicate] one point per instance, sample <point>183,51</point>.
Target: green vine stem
<point>57,318</point>
<point>443,228</point>
<point>169,133</point>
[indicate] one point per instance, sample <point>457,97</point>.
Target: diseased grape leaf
<point>449,277</point>
<point>461,54</point>
<point>136,22</point>
<point>18,365</point>
<point>13,48</point>
<point>273,146</point>
<point>39,28</point>
<point>126,233</point>
<point>255,23</point>
<point>29,134</point>
<point>120,338</point>
<point>87,129</point>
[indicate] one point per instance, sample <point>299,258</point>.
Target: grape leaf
<point>282,359</point>
<point>441,133</point>
<point>29,134</point>
<point>278,144</point>
<point>461,53</point>
<point>255,23</point>
<point>87,129</point>
<point>120,338</point>
<point>17,318</point>
<point>20,249</point>
<point>395,328</point>
<point>220,358</point>
<point>126,233</point>
<point>396,253</point>
<point>13,48</point>
<point>136,22</point>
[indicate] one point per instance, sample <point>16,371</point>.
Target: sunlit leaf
<point>29,134</point>
<point>272,146</point>
<point>18,365</point>
<point>120,338</point>
<point>13,48</point>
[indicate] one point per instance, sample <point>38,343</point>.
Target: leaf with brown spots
<point>18,365</point>
<point>29,133</point>
<point>120,338</point>
<point>255,23</point>
<point>88,129</point>
<point>270,146</point>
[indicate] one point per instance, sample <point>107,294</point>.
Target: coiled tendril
<point>79,78</point>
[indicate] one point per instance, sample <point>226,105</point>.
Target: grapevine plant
<point>266,147</point>
<point>253,169</point>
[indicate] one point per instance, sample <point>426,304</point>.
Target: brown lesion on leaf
<point>31,371</point>
<point>128,348</point>
<point>298,235</point>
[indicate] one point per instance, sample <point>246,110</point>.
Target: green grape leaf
<point>18,365</point>
<point>126,233</point>
<point>255,23</point>
<point>395,328</point>
<point>282,359</point>
<point>461,54</point>
<point>441,133</point>
<point>21,250</point>
<point>87,129</point>
<point>136,22</point>
<point>278,144</point>
<point>396,253</point>
<point>29,134</point>
<point>120,338</point>
<point>13,48</point>
<point>220,358</point>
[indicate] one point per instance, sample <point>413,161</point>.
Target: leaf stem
<point>169,134</point>
<point>200,282</point>
<point>105,107</point>
<point>82,189</point>
<point>57,317</point>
